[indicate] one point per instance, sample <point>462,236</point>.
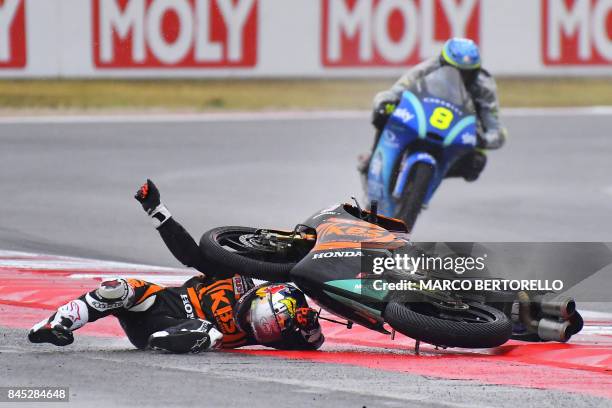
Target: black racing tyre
<point>414,194</point>
<point>222,247</point>
<point>493,332</point>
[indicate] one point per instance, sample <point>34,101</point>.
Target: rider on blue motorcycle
<point>464,55</point>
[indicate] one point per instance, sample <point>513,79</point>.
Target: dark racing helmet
<point>278,315</point>
<point>463,54</point>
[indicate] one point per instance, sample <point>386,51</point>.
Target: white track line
<point>269,116</point>
<point>28,260</point>
<point>569,111</point>
<point>187,117</point>
<point>85,268</point>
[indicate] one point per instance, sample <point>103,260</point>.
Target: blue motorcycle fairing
<point>412,112</point>
<point>407,162</point>
<point>409,123</point>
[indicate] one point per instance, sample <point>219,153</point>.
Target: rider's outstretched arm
<point>177,239</point>
<point>183,246</point>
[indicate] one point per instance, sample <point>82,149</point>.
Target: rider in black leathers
<point>196,316</point>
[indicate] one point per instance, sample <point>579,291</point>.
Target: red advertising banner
<point>174,33</point>
<point>375,33</point>
<point>12,34</point>
<point>577,32</point>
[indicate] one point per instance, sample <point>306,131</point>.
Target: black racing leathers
<point>153,307</point>
<point>148,307</point>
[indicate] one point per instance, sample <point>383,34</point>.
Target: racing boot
<point>192,336</point>
<point>58,328</point>
<point>363,162</point>
<point>475,166</point>
<point>469,167</point>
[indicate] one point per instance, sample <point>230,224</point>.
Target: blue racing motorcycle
<point>431,129</point>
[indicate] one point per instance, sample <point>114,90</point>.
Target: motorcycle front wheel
<point>478,326</point>
<point>414,193</point>
<point>236,250</point>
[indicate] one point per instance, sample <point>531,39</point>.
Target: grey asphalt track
<point>67,189</point>
<point>103,372</point>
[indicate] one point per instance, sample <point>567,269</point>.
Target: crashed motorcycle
<point>327,257</point>
<point>432,128</point>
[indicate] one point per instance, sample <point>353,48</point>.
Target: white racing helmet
<point>268,312</point>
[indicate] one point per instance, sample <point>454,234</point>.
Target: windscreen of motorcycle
<point>446,84</point>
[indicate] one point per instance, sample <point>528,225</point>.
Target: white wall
<point>261,38</point>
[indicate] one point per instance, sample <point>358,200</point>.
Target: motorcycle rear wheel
<point>229,250</point>
<point>481,326</point>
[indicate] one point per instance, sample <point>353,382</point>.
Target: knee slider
<point>116,290</point>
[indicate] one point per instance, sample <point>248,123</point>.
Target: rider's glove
<point>149,198</point>
<point>492,140</point>
<point>381,113</point>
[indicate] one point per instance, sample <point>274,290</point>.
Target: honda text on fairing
<point>324,257</point>
<point>432,128</point>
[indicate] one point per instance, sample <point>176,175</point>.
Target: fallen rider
<point>213,310</point>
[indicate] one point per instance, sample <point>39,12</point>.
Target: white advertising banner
<point>296,38</point>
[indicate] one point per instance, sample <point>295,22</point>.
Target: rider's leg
<point>107,299</point>
<point>144,320</point>
<point>469,167</point>
<point>363,160</point>
<point>188,336</point>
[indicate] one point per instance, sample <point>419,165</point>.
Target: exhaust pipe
<point>576,324</point>
<point>553,330</point>
<point>547,329</point>
<point>555,305</point>
<point>525,312</point>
